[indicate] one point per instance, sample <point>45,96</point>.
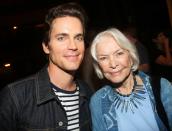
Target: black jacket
<point>31,105</point>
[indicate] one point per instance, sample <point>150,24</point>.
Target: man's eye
<point>80,38</point>
<point>60,38</point>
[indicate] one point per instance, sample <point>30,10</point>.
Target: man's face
<point>66,45</point>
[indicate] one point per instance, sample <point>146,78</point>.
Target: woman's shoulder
<point>166,86</point>
<point>165,81</point>
<point>99,96</point>
<point>102,92</point>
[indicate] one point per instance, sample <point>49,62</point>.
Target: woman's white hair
<point>122,41</point>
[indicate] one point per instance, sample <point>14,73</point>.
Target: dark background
<point>22,47</point>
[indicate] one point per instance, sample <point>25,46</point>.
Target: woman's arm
<point>166,97</point>
<point>96,114</point>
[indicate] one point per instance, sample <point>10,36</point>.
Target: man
<point>52,99</point>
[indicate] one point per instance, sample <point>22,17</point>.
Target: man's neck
<point>61,78</point>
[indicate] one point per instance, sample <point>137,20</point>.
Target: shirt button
<point>60,123</point>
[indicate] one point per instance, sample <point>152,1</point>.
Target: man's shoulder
<point>22,82</point>
<point>84,87</point>
<point>27,80</point>
<point>19,88</point>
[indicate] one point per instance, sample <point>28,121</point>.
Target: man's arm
<point>8,110</point>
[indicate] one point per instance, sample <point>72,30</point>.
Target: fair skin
<point>65,50</point>
<point>115,63</point>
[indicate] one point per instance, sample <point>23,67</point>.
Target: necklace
<point>132,100</point>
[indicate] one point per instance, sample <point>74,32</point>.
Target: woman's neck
<point>127,86</point>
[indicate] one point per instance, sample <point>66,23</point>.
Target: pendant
<point>131,101</point>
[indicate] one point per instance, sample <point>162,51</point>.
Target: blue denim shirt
<point>104,116</point>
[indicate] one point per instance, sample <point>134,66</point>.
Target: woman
<point>127,102</point>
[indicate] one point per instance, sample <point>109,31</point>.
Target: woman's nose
<point>112,62</point>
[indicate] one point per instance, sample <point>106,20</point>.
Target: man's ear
<point>45,48</point>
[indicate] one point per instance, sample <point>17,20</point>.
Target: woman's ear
<point>45,48</point>
<point>131,63</point>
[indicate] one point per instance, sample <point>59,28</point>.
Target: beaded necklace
<point>132,100</point>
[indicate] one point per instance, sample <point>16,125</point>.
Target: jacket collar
<point>43,89</point>
<point>84,90</point>
<point>145,78</point>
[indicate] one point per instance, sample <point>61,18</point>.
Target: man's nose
<point>72,45</point>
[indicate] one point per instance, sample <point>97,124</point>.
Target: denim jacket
<point>105,119</point>
<point>31,105</point>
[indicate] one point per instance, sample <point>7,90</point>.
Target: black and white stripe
<point>70,102</point>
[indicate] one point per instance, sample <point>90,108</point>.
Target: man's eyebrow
<point>61,34</point>
<point>79,34</point>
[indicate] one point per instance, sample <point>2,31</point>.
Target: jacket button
<point>60,123</point>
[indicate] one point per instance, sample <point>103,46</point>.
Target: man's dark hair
<point>67,9</point>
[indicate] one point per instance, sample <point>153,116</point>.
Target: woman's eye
<point>102,58</point>
<point>120,53</point>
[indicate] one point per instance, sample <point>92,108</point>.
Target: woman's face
<point>114,61</point>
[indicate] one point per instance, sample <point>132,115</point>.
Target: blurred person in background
<point>161,54</point>
<point>86,71</point>
<point>132,34</point>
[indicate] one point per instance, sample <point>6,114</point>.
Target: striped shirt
<point>70,103</point>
